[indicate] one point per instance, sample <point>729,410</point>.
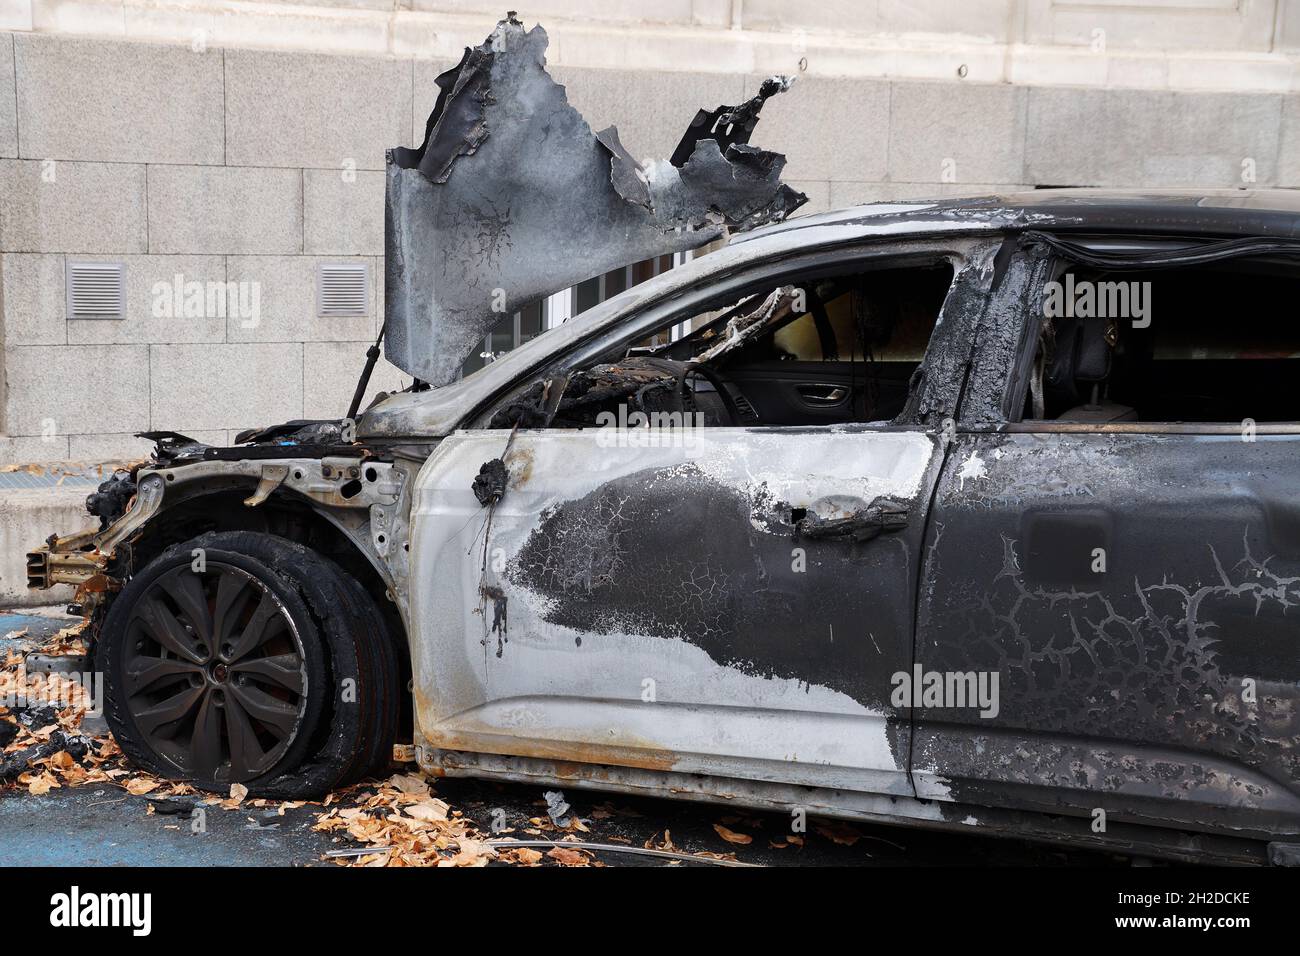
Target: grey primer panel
<point>512,197</point>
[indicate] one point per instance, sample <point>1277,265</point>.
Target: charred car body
<point>838,517</point>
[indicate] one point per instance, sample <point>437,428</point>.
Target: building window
<point>553,311</point>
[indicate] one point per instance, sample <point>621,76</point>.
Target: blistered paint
<point>1135,595</point>
<point>681,674</point>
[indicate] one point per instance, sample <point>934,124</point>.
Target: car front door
<point>645,601</point>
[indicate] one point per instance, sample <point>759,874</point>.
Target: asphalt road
<point>99,826</point>
<point>102,824</point>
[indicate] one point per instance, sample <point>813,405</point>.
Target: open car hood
<point>512,197</point>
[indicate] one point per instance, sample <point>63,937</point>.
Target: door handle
<point>822,394</point>
<point>882,516</point>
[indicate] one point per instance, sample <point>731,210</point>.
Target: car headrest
<point>1082,356</point>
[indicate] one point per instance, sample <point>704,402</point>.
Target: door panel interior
<point>822,393</point>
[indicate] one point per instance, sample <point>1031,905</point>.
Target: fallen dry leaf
<point>408,783</point>
<point>731,836</point>
<point>61,761</point>
<point>472,853</point>
<point>432,810</point>
<point>39,784</point>
<point>139,786</point>
<point>667,843</point>
<point>566,857</point>
<point>840,833</point>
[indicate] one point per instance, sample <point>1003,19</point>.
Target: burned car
<point>976,514</point>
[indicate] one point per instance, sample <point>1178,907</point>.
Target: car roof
<point>1222,212</point>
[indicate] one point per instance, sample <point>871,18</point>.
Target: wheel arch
<point>218,505</point>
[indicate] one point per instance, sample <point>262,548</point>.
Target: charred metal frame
<point>365,498</point>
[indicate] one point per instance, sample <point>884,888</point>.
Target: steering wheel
<point>714,379</point>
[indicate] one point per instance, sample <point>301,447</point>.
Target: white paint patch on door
<point>972,468</point>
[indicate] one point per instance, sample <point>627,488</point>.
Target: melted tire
<point>352,674</point>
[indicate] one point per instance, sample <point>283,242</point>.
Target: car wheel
<point>239,657</point>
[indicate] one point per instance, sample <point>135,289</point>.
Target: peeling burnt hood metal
<point>512,197</point>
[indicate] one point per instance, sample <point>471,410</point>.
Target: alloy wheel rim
<point>214,674</point>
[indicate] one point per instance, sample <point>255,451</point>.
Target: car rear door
<point>1130,588</point>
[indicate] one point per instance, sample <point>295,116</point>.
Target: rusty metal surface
<point>732,792</point>
<point>49,566</point>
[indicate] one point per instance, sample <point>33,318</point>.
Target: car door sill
<point>1137,841</point>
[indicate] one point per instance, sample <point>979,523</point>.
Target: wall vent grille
<point>96,290</point>
<point>343,290</point>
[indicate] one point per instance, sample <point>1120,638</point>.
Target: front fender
<point>365,499</point>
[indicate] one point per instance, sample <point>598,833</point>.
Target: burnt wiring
<point>489,488</point>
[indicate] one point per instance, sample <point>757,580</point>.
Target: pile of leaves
<point>409,826</point>
<point>42,746</point>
